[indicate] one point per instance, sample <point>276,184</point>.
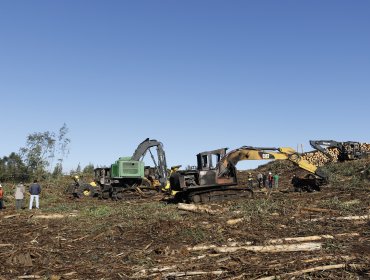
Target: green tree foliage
<point>42,148</point>
<point>58,170</point>
<point>38,151</point>
<point>88,169</point>
<point>13,168</point>
<point>63,144</point>
<point>78,168</point>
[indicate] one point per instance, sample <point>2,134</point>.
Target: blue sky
<point>196,75</point>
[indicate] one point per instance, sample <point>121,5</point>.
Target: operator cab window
<point>215,158</point>
<point>204,161</point>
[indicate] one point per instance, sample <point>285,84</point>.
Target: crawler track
<point>212,194</point>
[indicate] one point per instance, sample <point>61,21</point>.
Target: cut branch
<point>313,269</point>
<point>366,217</point>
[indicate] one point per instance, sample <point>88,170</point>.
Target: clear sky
<point>196,75</point>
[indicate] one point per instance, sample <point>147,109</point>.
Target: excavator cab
<point>209,160</point>
<point>351,150</point>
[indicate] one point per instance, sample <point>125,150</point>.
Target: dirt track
<point>91,239</point>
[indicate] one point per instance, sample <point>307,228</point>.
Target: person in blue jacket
<point>35,190</point>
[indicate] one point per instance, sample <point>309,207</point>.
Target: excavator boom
<point>261,153</point>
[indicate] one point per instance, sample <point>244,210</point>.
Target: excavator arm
<point>161,167</point>
<point>227,164</point>
<point>321,146</point>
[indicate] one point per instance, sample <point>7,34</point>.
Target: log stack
<point>319,159</point>
<point>365,147</point>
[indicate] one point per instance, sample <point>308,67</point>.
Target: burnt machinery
<point>215,177</point>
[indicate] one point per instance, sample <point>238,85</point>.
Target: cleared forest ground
<point>319,235</point>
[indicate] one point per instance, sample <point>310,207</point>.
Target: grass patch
<point>97,211</point>
<point>257,207</point>
<point>346,207</point>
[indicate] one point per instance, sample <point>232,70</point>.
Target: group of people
<point>19,194</point>
<point>264,180</point>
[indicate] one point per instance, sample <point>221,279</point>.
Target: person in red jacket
<point>270,179</point>
<point>1,197</point>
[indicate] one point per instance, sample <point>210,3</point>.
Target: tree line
<point>42,157</point>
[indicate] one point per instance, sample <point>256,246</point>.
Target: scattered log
<point>274,241</point>
<point>205,256</point>
<point>52,216</point>
<point>366,217</point>
<point>313,269</point>
<point>11,216</point>
<point>29,277</point>
<point>193,273</point>
<point>70,273</point>
<point>145,272</point>
<point>197,208</point>
<point>310,246</point>
<point>318,259</point>
<point>5,245</point>
<point>201,247</point>
<point>234,221</point>
<point>310,238</point>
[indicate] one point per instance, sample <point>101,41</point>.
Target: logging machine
<point>129,176</point>
<point>215,177</point>
<point>349,150</point>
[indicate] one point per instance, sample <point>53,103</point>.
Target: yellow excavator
<point>215,177</point>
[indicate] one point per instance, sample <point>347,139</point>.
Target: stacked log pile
<point>365,147</point>
<point>319,159</point>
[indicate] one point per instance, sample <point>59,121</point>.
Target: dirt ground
<point>151,239</point>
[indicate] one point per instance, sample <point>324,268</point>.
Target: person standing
<point>35,190</point>
<point>270,179</point>
<point>260,178</point>
<point>1,197</point>
<point>276,180</point>
<point>264,179</point>
<point>250,180</point>
<point>19,196</point>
